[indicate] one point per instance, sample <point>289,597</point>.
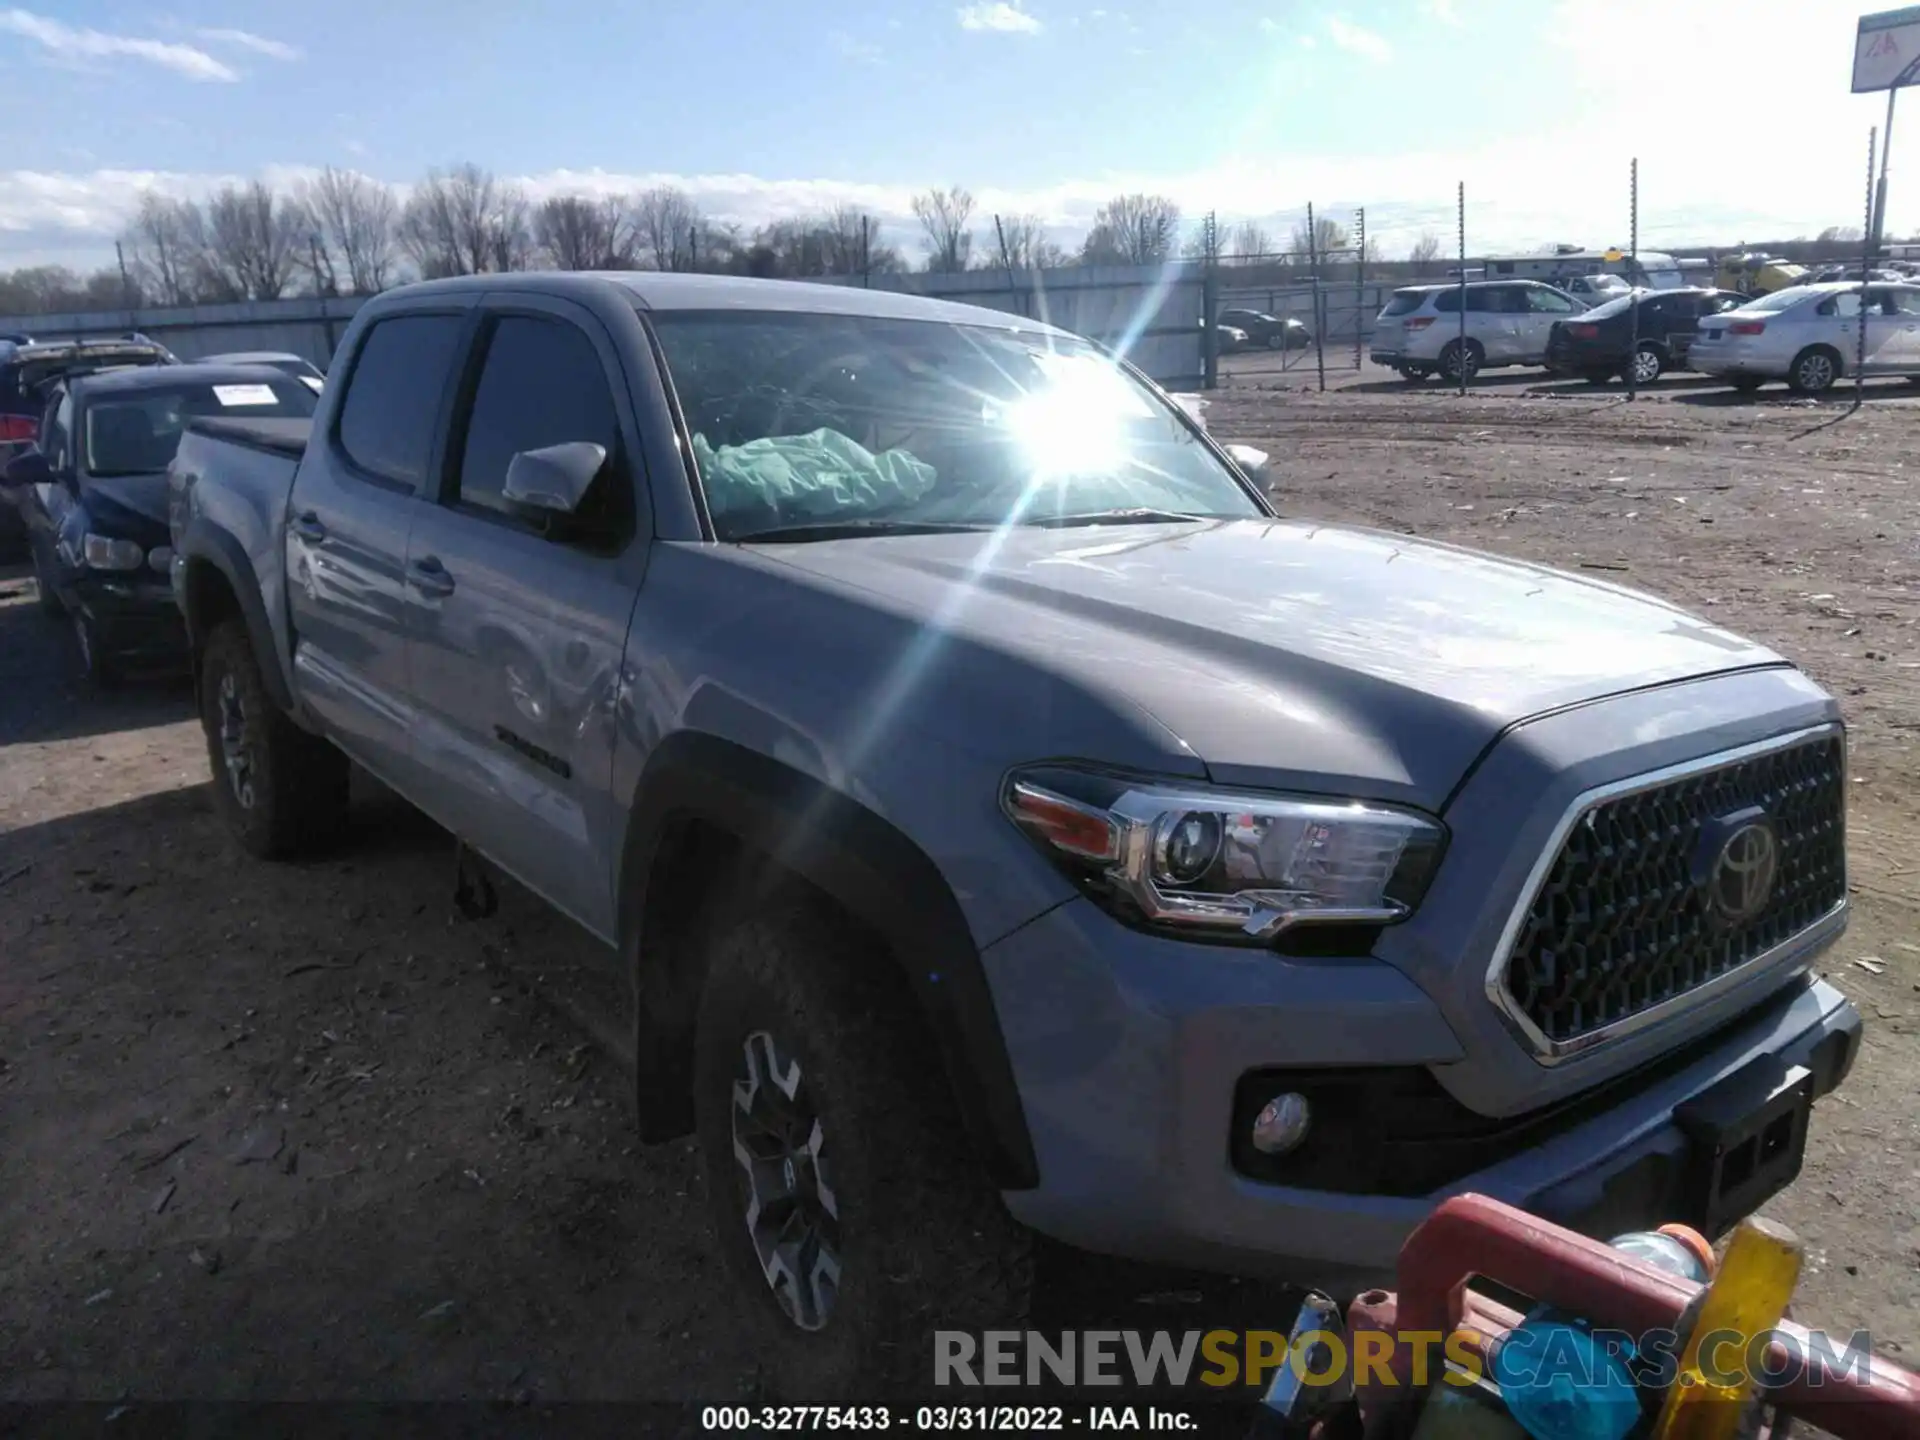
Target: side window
<point>1903,302</point>
<point>1447,302</point>
<point>1487,300</point>
<point>1846,304</point>
<point>56,443</point>
<point>393,394</point>
<point>1542,301</point>
<point>542,384</point>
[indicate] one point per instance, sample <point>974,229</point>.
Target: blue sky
<point>1738,109</point>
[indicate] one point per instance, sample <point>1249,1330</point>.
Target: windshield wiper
<point>1139,516</point>
<point>844,529</point>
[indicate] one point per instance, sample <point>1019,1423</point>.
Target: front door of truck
<point>519,619</point>
<point>353,505</point>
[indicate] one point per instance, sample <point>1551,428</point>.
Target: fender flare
<point>207,544</point>
<point>877,874</point>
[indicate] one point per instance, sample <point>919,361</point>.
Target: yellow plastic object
<point>1712,1389</point>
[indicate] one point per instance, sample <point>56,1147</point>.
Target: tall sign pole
<point>1886,56</point>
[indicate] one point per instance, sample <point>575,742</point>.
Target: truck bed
<point>286,437</point>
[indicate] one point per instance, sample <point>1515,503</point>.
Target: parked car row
<point>86,489</point>
<point>1809,336</point>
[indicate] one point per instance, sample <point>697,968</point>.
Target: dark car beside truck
<point>91,492</point>
<point>1006,821</point>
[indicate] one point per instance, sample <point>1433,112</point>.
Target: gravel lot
<point>297,1132</point>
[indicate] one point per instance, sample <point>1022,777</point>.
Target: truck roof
<point>665,290</point>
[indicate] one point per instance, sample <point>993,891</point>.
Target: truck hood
<point>1291,654</point>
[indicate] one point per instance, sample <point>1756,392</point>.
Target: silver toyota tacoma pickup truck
<point>1009,822</point>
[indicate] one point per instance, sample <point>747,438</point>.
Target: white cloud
<point>1444,11</point>
<point>67,43</point>
<point>1356,40</point>
<point>998,15</point>
<point>258,44</point>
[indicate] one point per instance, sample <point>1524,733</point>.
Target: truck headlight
<point>1239,865</point>
<point>102,552</point>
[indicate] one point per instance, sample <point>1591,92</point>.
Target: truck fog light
<point>1281,1124</point>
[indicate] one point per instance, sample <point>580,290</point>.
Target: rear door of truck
<point>518,624</point>
<point>349,516</point>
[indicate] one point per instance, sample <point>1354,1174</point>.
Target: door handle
<point>308,527</point>
<point>430,577</point>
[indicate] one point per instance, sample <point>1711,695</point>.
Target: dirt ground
<point>297,1132</point>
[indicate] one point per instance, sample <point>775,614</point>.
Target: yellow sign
<point>1613,257</point>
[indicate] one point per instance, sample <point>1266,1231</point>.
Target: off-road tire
<point>1450,360</point>
<point>923,1238</point>
<point>1805,376</point>
<point>297,782</point>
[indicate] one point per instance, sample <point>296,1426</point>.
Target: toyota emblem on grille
<point>1743,871</point>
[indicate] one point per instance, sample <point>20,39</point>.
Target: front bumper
<point>1129,1050</point>
<point>133,617</point>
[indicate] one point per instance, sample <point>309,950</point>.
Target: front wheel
<point>281,790</point>
<point>100,668</point>
<point>1813,370</point>
<point>852,1213</point>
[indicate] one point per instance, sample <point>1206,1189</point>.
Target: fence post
<point>1633,278</point>
<point>1463,286</point>
<point>1359,281</point>
<point>1210,301</point>
<point>1319,311</point>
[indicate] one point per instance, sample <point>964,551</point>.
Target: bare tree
<point>946,215</point>
<point>355,218</point>
<point>464,222</point>
<point>253,241</point>
<point>1425,252</point>
<point>162,248</point>
<point>668,225</point>
<point>1837,234</point>
<point>1133,230</point>
<point>578,233</point>
<point>1249,241</point>
<point>1023,244</point>
<point>1327,237</point>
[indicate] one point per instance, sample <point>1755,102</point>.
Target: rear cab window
<point>391,407</point>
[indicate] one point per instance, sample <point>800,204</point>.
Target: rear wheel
<point>281,790</point>
<point>1814,370</point>
<point>852,1214</point>
<point>1452,363</point>
<point>1648,363</point>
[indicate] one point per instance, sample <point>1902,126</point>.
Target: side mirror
<point>554,478</point>
<point>29,467</point>
<point>1256,465</point>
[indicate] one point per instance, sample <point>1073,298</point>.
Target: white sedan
<point>1810,336</point>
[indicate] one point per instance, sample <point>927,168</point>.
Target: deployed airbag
<point>812,476</point>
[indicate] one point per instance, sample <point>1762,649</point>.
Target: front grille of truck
<point>1621,925</point>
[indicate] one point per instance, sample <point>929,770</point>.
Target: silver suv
<point>1507,323</point>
